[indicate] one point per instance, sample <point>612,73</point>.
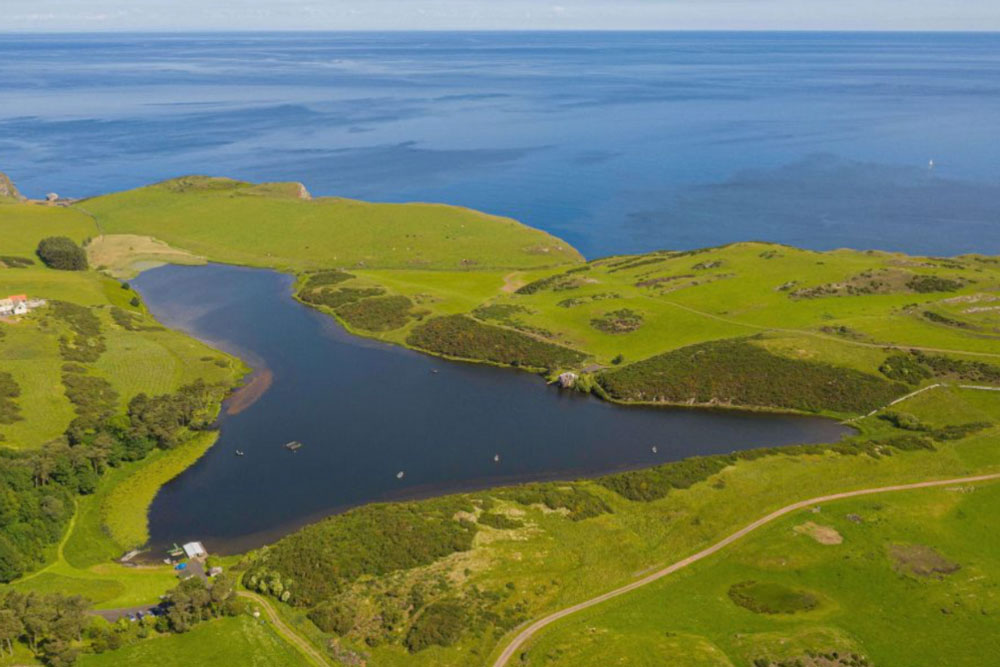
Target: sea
<point>616,142</point>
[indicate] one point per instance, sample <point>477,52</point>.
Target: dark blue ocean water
<point>615,141</point>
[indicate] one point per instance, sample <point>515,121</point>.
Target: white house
<point>18,304</point>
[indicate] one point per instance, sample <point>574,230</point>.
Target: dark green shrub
<point>580,504</point>
<point>337,298</point>
<point>336,617</point>
<point>324,278</point>
<point>9,390</point>
<point>383,313</point>
<point>499,521</point>
<point>904,368</point>
<point>927,284</point>
<point>737,372</point>
<point>440,624</point>
<point>463,337</point>
<point>618,321</point>
<point>319,560</point>
<point>60,252</point>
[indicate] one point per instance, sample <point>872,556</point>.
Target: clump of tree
<point>60,252</point>
<point>51,626</point>
<point>37,488</point>
<point>738,372</point>
<point>465,338</point>
<point>194,601</point>
<point>314,564</point>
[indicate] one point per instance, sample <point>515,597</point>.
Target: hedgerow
<point>737,372</point>
<point>465,338</point>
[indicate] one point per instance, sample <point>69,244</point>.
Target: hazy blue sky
<point>98,15</point>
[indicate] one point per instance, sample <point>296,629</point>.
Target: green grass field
<point>270,225</point>
<point>879,594</point>
<point>227,641</point>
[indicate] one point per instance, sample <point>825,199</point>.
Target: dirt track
<point>285,631</point>
<point>529,631</point>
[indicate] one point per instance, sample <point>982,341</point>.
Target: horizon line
<point>299,31</point>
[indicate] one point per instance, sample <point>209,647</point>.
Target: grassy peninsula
<point>447,581</point>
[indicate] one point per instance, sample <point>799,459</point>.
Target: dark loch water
<point>365,411</point>
<point>615,141</point>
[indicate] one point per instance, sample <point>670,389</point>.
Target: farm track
<point>532,629</point>
<point>286,632</point>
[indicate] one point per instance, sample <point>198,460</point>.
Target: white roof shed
<point>195,550</point>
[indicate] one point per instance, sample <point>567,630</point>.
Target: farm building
<point>195,550</point>
<point>18,304</point>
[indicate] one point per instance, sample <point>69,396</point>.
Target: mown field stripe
<point>532,629</point>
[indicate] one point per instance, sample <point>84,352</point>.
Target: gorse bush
<point>579,503</point>
<point>324,278</point>
<point>339,297</point>
<point>904,368</point>
<point>465,338</point>
<point>86,342</point>
<point>737,372</point>
<point>9,390</point>
<point>383,313</point>
<point>926,284</point>
<point>618,321</point>
<point>60,252</point>
<point>314,564</point>
<point>440,623</point>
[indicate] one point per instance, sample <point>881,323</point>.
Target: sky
<point>169,15</point>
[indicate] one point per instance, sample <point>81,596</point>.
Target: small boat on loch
<point>496,458</point>
<point>239,452</point>
<point>400,474</point>
<point>293,446</point>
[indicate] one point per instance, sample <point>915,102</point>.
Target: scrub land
<point>102,405</point>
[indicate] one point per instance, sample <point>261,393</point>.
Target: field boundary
<point>526,634</point>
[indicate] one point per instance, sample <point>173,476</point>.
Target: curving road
<point>530,631</point>
<point>286,632</point>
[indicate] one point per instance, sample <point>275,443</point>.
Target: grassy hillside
<point>135,354</point>
<point>797,312</point>
<point>272,225</point>
<point>895,580</point>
